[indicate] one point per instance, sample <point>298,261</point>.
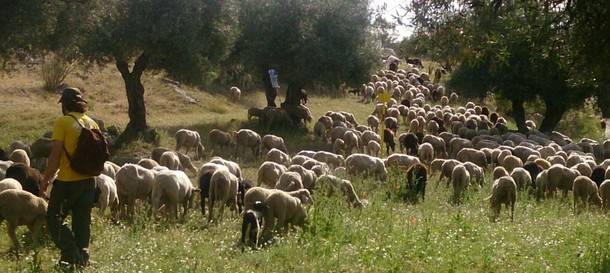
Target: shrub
<point>54,71</point>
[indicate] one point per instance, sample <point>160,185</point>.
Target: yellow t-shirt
<point>67,131</point>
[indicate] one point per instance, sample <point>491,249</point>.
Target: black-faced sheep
<point>19,208</point>
<point>585,190</point>
<point>223,189</point>
<point>503,191</point>
<point>188,139</point>
<point>252,223</point>
<point>598,175</point>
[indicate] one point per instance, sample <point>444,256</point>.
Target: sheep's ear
<point>196,190</point>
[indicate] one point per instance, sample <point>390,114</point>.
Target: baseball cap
<point>71,94</point>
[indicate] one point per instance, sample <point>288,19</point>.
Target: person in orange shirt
<point>72,192</point>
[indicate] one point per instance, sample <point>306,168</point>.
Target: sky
<point>392,7</point>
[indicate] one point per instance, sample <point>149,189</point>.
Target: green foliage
<point>308,41</point>
<point>23,26</point>
<point>183,38</point>
<point>519,50</point>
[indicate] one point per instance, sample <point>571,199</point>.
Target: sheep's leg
<point>512,210</point>
<point>11,227</point>
<point>35,230</point>
<point>222,211</point>
<point>211,210</point>
<point>202,204</point>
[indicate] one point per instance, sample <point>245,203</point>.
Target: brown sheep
<point>585,190</point>
<point>503,191</point>
<point>460,179</point>
<point>18,208</point>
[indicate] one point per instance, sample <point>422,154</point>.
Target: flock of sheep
<point>459,144</point>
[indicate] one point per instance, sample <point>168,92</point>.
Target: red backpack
<point>91,152</point>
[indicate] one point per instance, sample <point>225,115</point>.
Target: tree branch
<point>123,67</point>
<point>140,65</point>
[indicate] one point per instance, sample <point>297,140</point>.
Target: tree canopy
<point>310,42</point>
<point>519,50</point>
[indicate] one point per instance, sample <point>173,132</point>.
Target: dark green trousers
<point>75,198</point>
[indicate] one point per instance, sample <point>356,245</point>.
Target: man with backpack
<point>78,152</point>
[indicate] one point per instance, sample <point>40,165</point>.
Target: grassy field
<point>386,236</point>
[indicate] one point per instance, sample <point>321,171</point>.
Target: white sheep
<point>373,148</point>
<point>10,183</point>
<point>425,153</point>
<point>223,190</point>
<point>373,122</point>
<point>170,160</point>
<point>148,163</point>
<point>133,182</point>
<point>585,190</point>
<point>247,139</point>
<point>258,194</point>
<point>277,156</point>
<point>232,166</point>
<point>521,177</point>
<point>333,160</point>
<point>351,141</point>
<point>20,207</point>
<point>335,184</point>
<point>188,139</point>
<point>289,181</point>
<point>172,188</point>
<point>219,139</point>
<point>234,94</point>
<point>4,165</point>
<point>108,193</point>
<point>269,142</point>
<point>308,177</point>
<point>286,209</point>
<point>20,156</point>
<point>367,165</point>
<point>269,173</point>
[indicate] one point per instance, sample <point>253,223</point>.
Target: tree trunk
<point>552,115</point>
<point>291,104</point>
<point>603,101</point>
<point>518,113</point>
<point>135,97</point>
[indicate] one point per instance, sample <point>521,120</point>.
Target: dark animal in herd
<point>251,224</point>
<point>417,179</point>
<point>388,139</point>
